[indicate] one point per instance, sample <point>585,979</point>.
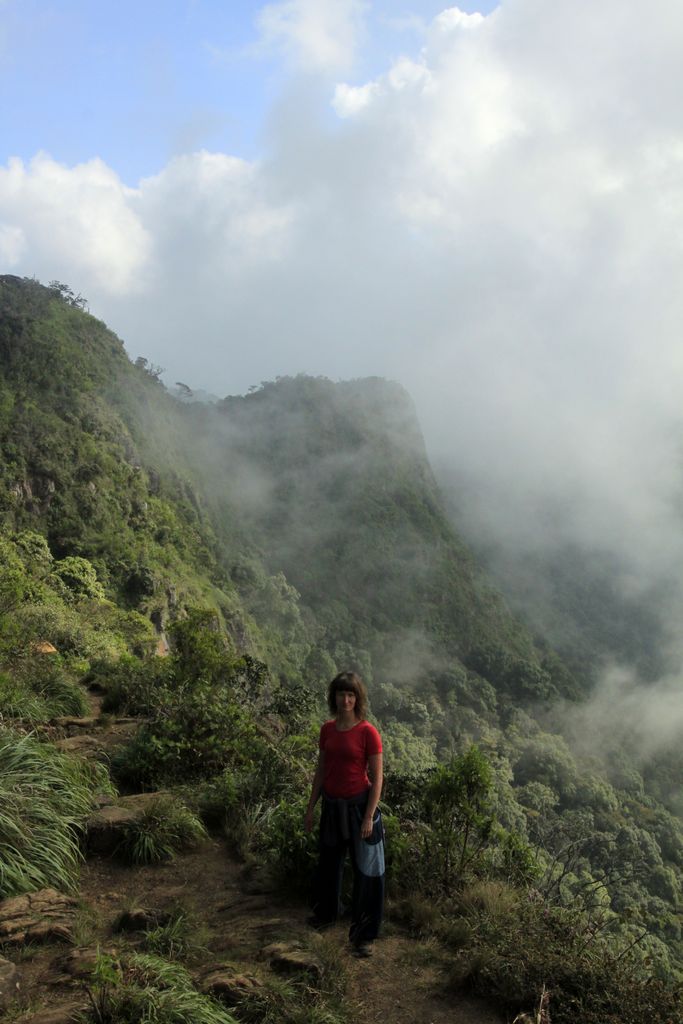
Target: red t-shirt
<point>346,757</point>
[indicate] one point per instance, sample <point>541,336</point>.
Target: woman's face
<point>345,701</point>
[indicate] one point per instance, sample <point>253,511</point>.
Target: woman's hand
<point>366,827</point>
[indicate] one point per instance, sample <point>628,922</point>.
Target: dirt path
<point>403,982</point>
<point>237,914</point>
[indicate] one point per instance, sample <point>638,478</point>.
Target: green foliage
<point>146,988</point>
<point>132,686</point>
<point>291,851</point>
<point>166,828</point>
<point>198,703</point>
<point>406,753</point>
<point>457,807</point>
<point>520,946</point>
<point>193,733</point>
<point>77,578</point>
<point>45,798</point>
<point>37,690</point>
<point>179,938</point>
<point>13,577</point>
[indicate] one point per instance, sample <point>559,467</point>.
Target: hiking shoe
<point>362,950</point>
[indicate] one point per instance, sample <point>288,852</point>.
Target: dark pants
<point>340,825</point>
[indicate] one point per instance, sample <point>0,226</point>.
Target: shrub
<point>44,800</point>
<point>74,630</point>
<point>166,827</point>
<point>457,806</point>
<point>193,734</point>
<point>521,944</point>
<point>200,702</point>
<point>291,850</point>
<point>133,686</point>
<point>75,577</point>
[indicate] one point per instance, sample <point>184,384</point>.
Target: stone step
<point>106,826</point>
<point>86,746</point>
<point>69,722</point>
<point>43,916</point>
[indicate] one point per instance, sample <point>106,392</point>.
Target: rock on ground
<point>229,985</point>
<point>43,916</point>
<point>287,958</point>
<point>107,825</point>
<point>9,982</point>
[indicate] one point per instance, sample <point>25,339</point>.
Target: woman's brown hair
<point>352,682</point>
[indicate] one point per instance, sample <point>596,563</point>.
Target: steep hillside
<point>348,508</point>
<point>328,484</point>
<point>263,543</point>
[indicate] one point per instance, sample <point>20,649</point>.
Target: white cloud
<point>404,73</point>
<point>215,201</point>
<point>453,18</point>
<point>349,100</point>
<point>12,244</point>
<point>79,219</point>
<point>315,35</point>
<point>495,221</point>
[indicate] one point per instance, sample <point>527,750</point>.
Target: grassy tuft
<point>490,897</point>
<point>180,938</point>
<point>149,989</point>
<point>45,798</point>
<point>166,828</point>
<point>39,695</point>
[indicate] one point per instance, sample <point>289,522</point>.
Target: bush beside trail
<point>45,798</point>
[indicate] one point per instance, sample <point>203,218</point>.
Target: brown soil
<point>402,982</point>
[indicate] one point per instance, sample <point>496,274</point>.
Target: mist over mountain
<point>485,215</point>
<point>301,528</point>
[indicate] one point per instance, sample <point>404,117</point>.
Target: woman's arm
<point>316,790</point>
<point>376,778</point>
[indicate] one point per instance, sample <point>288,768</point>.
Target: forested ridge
<point>261,543</point>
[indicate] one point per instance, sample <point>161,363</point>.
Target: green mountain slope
<point>304,522</point>
<point>326,483</point>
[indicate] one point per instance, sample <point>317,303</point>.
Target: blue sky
<point>136,82</point>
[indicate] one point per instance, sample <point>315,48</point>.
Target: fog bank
<point>493,220</point>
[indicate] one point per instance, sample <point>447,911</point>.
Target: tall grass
<point>39,696</point>
<point>45,797</point>
<point>150,989</point>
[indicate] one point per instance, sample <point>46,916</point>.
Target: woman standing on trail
<point>349,778</point>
